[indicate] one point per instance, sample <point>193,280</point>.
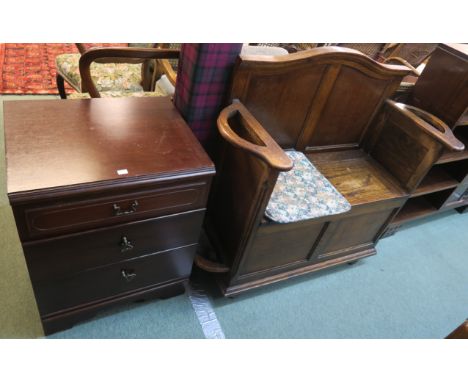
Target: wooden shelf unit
<point>441,91</point>
<point>413,209</point>
<point>436,180</point>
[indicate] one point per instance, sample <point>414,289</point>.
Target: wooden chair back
<point>320,99</point>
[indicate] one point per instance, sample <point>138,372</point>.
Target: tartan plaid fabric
<point>202,82</point>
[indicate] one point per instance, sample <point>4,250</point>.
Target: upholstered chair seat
<point>107,77</point>
<point>303,193</point>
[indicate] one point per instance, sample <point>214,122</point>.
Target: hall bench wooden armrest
<point>403,62</point>
<point>407,141</point>
<point>431,125</point>
<point>264,147</point>
<point>117,55</point>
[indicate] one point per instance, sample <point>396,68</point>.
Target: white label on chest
<point>124,171</point>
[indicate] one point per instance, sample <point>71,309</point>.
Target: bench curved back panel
<point>319,99</point>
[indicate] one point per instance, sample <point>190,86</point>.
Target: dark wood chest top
<point>459,49</point>
<point>65,144</point>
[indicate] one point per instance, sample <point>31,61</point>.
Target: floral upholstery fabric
<point>118,94</point>
<point>110,76</point>
<point>303,193</point>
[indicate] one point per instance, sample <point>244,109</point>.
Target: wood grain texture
<point>442,88</point>
<point>80,289</point>
<point>68,143</point>
<point>93,236</point>
<point>258,142</point>
<point>305,99</point>
<point>358,178</point>
<point>40,219</point>
<point>57,258</point>
<point>441,92</point>
<point>331,104</point>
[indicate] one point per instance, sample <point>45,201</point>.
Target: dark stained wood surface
<point>93,237</point>
<point>311,98</point>
<point>61,257</point>
<point>262,145</point>
<point>332,104</point>
<point>111,281</point>
<point>358,178</point>
<point>460,333</point>
<point>442,88</point>
<point>436,180</point>
<point>50,144</point>
<point>39,219</point>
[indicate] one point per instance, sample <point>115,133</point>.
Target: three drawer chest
<point>108,196</point>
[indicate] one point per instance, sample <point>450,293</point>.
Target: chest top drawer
<point>61,217</point>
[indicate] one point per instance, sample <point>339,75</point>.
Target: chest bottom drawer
<point>60,257</point>
<point>114,280</point>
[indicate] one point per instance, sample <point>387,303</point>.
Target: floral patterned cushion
<point>303,193</point>
<point>118,94</point>
<point>106,76</point>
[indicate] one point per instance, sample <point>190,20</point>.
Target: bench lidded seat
<point>303,193</point>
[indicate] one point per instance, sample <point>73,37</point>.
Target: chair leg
<point>61,86</point>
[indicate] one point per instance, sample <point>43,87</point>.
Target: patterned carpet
<point>30,68</point>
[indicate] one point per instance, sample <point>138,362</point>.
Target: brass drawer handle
<point>128,275</point>
<point>118,210</point>
<point>125,244</point>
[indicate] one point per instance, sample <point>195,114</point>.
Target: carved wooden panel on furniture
<point>347,112</point>
<point>243,184</point>
<point>265,90</point>
<point>288,93</point>
<point>282,244</point>
<point>442,88</point>
<point>350,233</point>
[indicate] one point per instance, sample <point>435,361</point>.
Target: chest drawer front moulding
<point>66,217</point>
<point>108,196</point>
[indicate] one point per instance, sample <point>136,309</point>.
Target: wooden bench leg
<point>61,86</point>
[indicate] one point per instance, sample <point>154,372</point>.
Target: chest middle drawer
<point>55,258</point>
